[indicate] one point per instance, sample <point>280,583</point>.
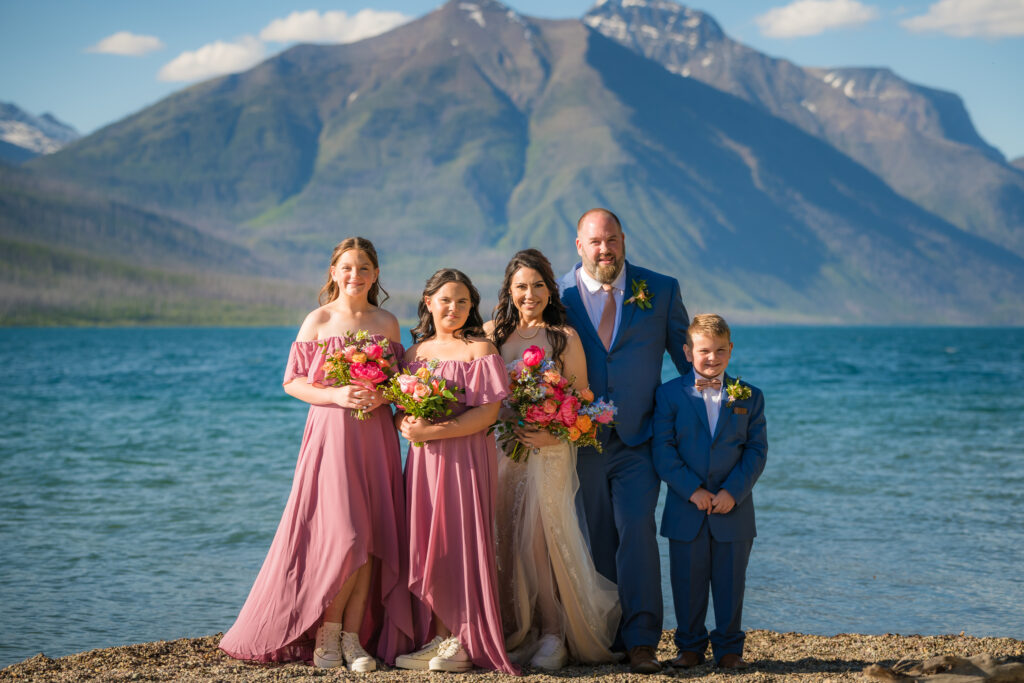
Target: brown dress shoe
<point>643,660</point>
<point>732,661</point>
<point>687,660</point>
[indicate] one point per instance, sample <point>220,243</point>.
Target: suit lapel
<point>574,300</point>
<point>628,310</point>
<point>697,402</point>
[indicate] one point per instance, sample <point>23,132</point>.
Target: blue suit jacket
<point>687,456</point>
<point>630,371</point>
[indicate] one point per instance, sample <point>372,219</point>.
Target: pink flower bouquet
<point>363,359</point>
<point>422,394</point>
<point>542,398</point>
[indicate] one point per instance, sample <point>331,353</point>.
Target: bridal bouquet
<point>542,398</point>
<point>363,360</point>
<point>421,393</point>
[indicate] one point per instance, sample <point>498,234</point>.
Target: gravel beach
<point>774,656</point>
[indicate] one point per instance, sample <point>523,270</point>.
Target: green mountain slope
<point>457,138</point>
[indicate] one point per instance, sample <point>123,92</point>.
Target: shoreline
<point>773,656</point>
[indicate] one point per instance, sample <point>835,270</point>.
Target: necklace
<point>523,336</point>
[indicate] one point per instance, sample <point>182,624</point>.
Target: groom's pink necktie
<point>606,328</point>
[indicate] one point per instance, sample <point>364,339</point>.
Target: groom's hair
<point>603,212</point>
<point>710,324</point>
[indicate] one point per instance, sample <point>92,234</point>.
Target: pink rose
<point>407,383</point>
<point>558,394</point>
<point>533,356</point>
<point>350,351</point>
<point>368,372</point>
<point>420,391</point>
<point>536,415</point>
<point>550,407</point>
<point>552,377</point>
<point>567,412</point>
<point>373,351</point>
<point>604,417</point>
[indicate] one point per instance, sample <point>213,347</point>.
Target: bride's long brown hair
<point>506,315</point>
<point>330,291</point>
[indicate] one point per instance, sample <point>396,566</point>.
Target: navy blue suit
<point>708,549</point>
<point>619,487</point>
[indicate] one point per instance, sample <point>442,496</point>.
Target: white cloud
<point>968,18</point>
<point>331,27</point>
<point>214,59</point>
<point>811,17</point>
<point>126,43</point>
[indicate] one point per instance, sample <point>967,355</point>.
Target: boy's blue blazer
<point>687,456</point>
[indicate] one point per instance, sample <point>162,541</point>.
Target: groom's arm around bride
<point>627,317</point>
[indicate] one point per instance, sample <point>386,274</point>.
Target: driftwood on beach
<point>775,656</point>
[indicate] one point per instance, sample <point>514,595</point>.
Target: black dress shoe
<point>687,660</point>
<point>643,660</point>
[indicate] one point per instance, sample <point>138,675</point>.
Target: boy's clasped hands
<point>713,503</point>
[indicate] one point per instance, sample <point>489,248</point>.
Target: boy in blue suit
<point>710,443</point>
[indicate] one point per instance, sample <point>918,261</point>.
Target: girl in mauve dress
<point>451,487</point>
<point>334,579</point>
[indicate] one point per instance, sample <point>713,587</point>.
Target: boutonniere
<point>737,392</point>
<point>642,296</point>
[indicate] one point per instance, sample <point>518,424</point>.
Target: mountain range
<point>24,136</point>
<point>475,131</point>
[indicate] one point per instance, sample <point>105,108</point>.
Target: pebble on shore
<point>774,656</point>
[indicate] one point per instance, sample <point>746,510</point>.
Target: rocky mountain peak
<point>659,20</point>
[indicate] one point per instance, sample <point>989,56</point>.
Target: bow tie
<point>701,384</point>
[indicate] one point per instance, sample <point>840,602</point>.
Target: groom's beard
<point>607,274</point>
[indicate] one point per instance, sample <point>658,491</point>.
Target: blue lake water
<point>143,473</point>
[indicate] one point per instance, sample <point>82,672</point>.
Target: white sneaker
<point>451,657</point>
<point>327,654</point>
<point>551,653</point>
<point>355,656</point>
<point>420,660</point>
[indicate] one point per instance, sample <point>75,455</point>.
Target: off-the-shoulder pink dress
<point>451,488</point>
<point>346,506</point>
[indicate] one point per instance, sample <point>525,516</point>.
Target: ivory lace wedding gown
<point>544,559</point>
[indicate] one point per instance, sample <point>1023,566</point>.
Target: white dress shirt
<point>712,400</point>
<point>594,297</point>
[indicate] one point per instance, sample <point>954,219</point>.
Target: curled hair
<point>474,326</point>
<point>710,324</point>
<point>330,291</point>
<point>506,316</point>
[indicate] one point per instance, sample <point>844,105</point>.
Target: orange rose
<point>358,357</point>
<point>574,434</point>
<point>423,373</point>
<point>583,423</point>
<point>587,395</point>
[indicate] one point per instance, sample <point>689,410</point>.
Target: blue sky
<point>92,63</point>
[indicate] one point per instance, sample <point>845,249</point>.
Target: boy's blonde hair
<point>710,324</point>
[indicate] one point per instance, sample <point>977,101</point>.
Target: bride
<point>554,604</point>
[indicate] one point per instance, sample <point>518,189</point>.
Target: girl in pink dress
<point>451,487</point>
<point>334,580</point>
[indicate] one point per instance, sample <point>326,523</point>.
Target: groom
<point>627,317</point>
